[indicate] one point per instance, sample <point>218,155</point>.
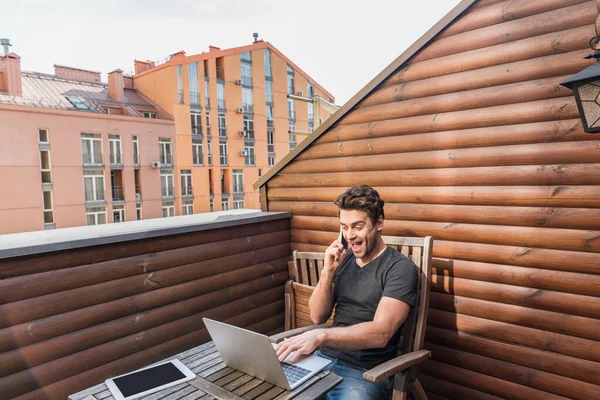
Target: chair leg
<point>400,387</point>
<point>416,390</point>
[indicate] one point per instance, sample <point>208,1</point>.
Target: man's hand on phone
<point>334,256</point>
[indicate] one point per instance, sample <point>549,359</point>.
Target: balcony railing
<point>220,73</point>
<point>115,158</point>
<point>248,108</point>
<point>166,159</point>
<point>92,158</point>
<point>194,98</point>
<point>117,193</point>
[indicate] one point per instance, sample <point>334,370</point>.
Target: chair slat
<point>304,271</point>
<point>405,250</point>
<point>314,277</point>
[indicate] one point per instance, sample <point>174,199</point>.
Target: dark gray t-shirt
<point>357,293</point>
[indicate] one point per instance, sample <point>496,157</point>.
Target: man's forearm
<point>366,335</point>
<point>321,300</point>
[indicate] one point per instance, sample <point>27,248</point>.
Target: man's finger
<point>286,353</point>
<point>297,355</point>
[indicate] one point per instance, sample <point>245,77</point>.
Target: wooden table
<point>216,381</point>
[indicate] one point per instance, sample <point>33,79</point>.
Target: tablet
<point>149,380</point>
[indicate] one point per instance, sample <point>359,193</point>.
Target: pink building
<point>75,151</point>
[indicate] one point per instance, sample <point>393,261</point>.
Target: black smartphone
<point>342,239</point>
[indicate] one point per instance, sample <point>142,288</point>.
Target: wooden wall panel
<point>74,318</point>
<point>474,142</point>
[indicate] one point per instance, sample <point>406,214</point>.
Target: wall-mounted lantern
<point>586,86</point>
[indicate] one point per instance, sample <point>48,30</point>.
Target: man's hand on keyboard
<point>302,344</point>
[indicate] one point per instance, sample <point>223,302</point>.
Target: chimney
<point>6,44</point>
<point>141,66</point>
<point>213,48</point>
<point>116,85</point>
<point>11,74</point>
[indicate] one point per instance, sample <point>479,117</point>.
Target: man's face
<point>360,232</point>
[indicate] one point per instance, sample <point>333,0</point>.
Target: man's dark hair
<point>363,198</point>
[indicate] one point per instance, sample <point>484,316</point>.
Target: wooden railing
<point>74,312</point>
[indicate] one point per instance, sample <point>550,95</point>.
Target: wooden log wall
<point>475,142</point>
<point>71,319</point>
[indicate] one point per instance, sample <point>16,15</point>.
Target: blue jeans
<point>354,386</point>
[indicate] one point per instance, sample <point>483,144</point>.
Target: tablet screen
<point>148,379</point>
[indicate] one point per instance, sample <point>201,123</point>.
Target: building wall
<point>475,142</point>
<point>20,175</point>
<point>160,85</point>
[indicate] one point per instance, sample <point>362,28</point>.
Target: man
<point>373,288</point>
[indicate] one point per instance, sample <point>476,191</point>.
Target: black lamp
<point>586,86</point>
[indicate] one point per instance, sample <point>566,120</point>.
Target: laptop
<point>254,354</point>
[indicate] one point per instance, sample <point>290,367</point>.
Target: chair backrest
<point>306,269</point>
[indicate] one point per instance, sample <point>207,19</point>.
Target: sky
<point>341,44</point>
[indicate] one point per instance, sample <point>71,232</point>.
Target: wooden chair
<point>305,271</point>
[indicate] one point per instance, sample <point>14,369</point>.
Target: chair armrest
<point>391,367</point>
<point>294,332</point>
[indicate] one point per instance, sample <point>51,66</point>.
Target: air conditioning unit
<point>243,153</point>
<point>238,81</point>
<point>242,133</point>
<point>240,110</point>
<point>300,93</point>
<point>155,164</point>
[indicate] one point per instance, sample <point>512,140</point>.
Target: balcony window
<point>186,183</point>
<point>197,154</point>
<point>247,104</point>
<point>117,192</point>
<point>43,135</point>
<point>91,149</point>
<point>138,212</point>
<point>249,157</point>
<point>95,215</point>
<point>238,181</point>
<point>166,183</point>
<point>291,111</point>
<point>118,214</point>
<point>164,151</point>
<point>187,207</point>
<point>269,91</point>
<point>267,57</point>
<point>238,204</point>
<point>224,183</point>
<point>168,209</point>
<point>207,93</point>
<point>223,156</point>
<point>193,79</point>
<point>209,152</point>
<point>271,161</point>
<point>221,95</point>
<point>246,74</point>
<point>93,183</point>
<point>211,205</point>
<point>207,123</point>
<point>114,149</point>
<point>222,126</point>
<point>196,119</point>
<point>290,80</point>
<point>179,85</point>
<point>45,166</point>
<point>47,204</point>
<point>225,204</point>
<point>136,150</point>
<point>249,126</point>
<point>309,90</point>
<point>271,142</point>
<point>245,56</point>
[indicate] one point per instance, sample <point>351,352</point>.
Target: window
<point>245,56</point>
<point>193,78</point>
<point>246,74</point>
<point>249,126</point>
<point>164,151</point>
<point>138,212</point>
<point>270,124</point>
<point>212,205</point>
<point>209,151</point>
<point>238,204</point>
<point>91,149</point>
<point>114,149</point>
<point>118,214</point>
<point>43,135</point>
<point>222,126</point>
<point>206,92</point>
<point>78,103</point>
<point>136,150</point>
<point>197,155</point>
<point>196,119</point>
<point>207,123</point>
<point>247,100</point>
<point>45,166</point>
<point>249,158</point>
<point>291,112</point>
<point>168,209</point>
<point>179,84</point>
<point>186,182</point>
<point>47,203</point>
<point>225,204</point>
<point>187,207</point>
<point>271,161</point>
<point>290,80</point>
<point>148,114</point>
<point>267,62</point>
<point>259,172</point>
<point>238,181</point>
<point>95,215</point>
<point>311,117</point>
<point>166,183</point>
<point>223,157</point>
<point>224,182</point>
<point>220,95</point>
<point>269,91</point>
<point>93,183</point>
<point>309,90</point>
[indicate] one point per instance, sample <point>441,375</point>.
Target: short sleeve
<point>402,282</point>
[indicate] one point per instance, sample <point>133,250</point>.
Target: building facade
<point>76,151</point>
<point>237,112</point>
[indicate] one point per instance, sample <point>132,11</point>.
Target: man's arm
<point>389,316</point>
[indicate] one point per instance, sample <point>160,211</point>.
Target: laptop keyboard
<point>294,373</point>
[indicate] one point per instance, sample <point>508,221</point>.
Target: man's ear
<point>380,223</point>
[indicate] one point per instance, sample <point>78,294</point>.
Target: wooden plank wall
<point>475,143</point>
<point>70,319</point>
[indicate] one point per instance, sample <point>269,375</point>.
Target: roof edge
<point>366,90</point>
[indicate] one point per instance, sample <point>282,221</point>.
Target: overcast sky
<point>340,44</point>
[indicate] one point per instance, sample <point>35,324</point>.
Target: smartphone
<point>342,239</point>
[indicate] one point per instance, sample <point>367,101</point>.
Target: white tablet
<point>149,380</point>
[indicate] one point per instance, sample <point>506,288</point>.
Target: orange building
<point>237,112</point>
<point>75,151</point>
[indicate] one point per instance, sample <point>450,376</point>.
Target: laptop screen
<point>148,379</point>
